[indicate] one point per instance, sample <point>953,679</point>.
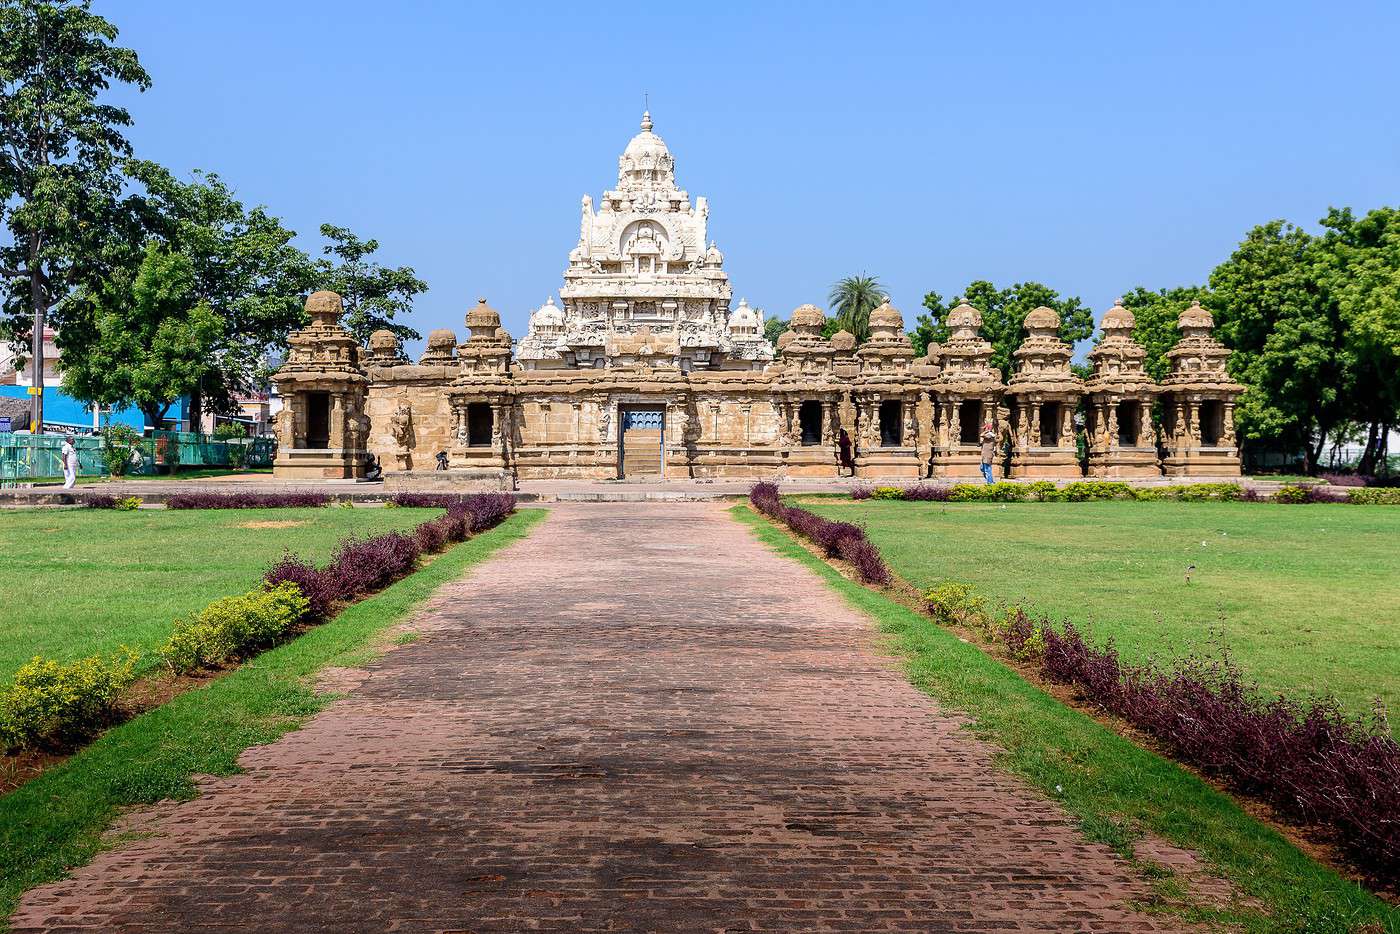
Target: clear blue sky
<point>1093,147</point>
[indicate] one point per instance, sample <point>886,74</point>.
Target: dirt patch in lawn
<point>272,524</point>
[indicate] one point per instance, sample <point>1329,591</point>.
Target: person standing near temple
<point>989,446</point>
<point>69,455</point>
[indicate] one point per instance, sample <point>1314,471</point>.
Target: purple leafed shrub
<point>1309,760</point>
<point>1345,479</point>
<point>246,500</point>
<point>361,566</point>
<point>316,586</point>
<point>99,501</point>
<point>428,500</point>
<point>860,492</point>
<point>928,492</point>
<point>836,539</point>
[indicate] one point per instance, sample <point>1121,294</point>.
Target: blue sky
<point>1093,147</point>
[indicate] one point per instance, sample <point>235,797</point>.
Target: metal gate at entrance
<point>643,442</point>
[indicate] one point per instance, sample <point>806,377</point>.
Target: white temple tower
<point>643,279</point>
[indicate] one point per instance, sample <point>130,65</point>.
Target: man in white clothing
<point>69,455</point>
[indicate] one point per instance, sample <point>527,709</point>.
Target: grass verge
<point>85,581</point>
<point>1114,788</point>
<point>56,822</point>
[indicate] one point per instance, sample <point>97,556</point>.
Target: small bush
<point>99,501</point>
<point>954,604</point>
<point>1200,492</point>
<point>1083,491</point>
<point>1373,496</point>
<point>128,503</point>
<point>235,627</point>
<point>966,493</point>
<point>118,444</point>
<point>887,492</point>
<point>54,704</point>
<point>361,566</point>
<point>1043,491</point>
<point>860,492</point>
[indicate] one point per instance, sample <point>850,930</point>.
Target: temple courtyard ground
<point>662,716</point>
<point>637,718</point>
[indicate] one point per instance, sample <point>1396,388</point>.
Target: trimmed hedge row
<point>1044,491</point>
<point>246,500</point>
<point>54,705</point>
<point>1307,759</point>
<point>837,539</point>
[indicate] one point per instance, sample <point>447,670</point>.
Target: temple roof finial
<point>646,121</point>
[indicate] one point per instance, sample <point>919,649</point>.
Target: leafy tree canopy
<point>150,337</point>
<point>773,328</point>
<point>372,294</point>
<point>1286,337</point>
<point>243,267</point>
<point>1003,317</point>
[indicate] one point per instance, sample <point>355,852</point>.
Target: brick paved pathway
<point>637,719</point>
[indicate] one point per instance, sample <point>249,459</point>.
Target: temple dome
<point>383,343</point>
<point>548,315</point>
<point>324,307</point>
<point>964,316</point>
<point>886,316</point>
<point>646,142</point>
<point>743,316</point>
<point>809,316</point>
<point>1118,318</point>
<point>1195,317</point>
<point>843,341</point>
<point>483,316</point>
<point>1042,319</point>
<point>439,337</point>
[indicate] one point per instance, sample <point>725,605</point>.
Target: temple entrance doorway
<point>643,441</point>
<point>318,420</point>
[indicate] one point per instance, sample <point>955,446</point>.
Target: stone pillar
<point>337,419</point>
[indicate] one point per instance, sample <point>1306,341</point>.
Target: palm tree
<point>853,299</point>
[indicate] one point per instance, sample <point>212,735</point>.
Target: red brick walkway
<point>638,719</point>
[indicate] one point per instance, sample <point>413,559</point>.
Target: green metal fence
<point>25,458</point>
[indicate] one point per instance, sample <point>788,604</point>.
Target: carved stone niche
<point>322,429</point>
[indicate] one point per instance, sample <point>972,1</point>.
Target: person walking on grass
<point>989,444</point>
<point>69,455</point>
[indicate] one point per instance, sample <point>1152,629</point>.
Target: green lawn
<point>80,581</point>
<point>56,821</point>
<point>1307,597</point>
<point>1118,791</point>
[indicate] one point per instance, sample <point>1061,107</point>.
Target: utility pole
<point>36,357</point>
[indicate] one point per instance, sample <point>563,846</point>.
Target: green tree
<point>60,149</point>
<point>1286,335</point>
<point>1004,315</point>
<point>245,268</point>
<point>153,338</point>
<point>372,294</point>
<point>1155,315</point>
<point>773,328</point>
<point>852,300</point>
<point>1358,268</point>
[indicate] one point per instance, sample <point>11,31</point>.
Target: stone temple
<point>644,370</point>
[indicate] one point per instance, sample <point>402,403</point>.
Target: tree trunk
<point>1313,451</point>
<point>196,409</point>
<point>1368,456</point>
<point>41,310</point>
